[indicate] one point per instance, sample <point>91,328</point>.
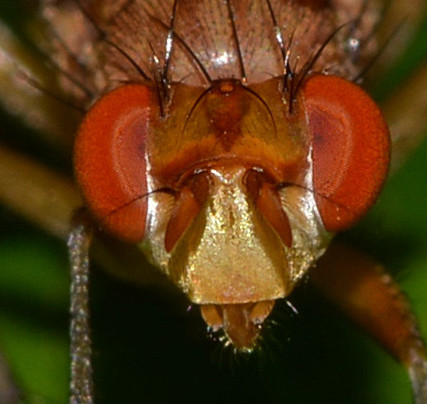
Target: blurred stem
<point>37,193</point>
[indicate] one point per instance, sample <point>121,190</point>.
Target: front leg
<point>364,291</point>
<point>9,392</point>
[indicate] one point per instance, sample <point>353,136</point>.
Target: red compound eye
<point>351,148</point>
<point>109,161</point>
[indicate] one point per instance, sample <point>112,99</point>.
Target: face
<point>223,181</point>
<point>233,181</point>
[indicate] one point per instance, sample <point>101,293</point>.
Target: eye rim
<point>115,208</point>
<point>338,213</point>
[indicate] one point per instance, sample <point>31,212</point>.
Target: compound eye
<point>350,149</point>
<point>110,161</point>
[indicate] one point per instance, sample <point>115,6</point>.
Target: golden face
<point>217,223</point>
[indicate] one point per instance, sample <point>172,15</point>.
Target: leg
<point>9,393</point>
<point>81,385</point>
<point>362,289</point>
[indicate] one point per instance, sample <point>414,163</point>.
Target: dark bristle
<point>103,37</point>
<point>61,71</point>
<point>165,82</point>
<point>261,100</point>
<point>75,59</point>
<point>285,52</point>
<point>157,74</point>
<point>185,45</point>
<point>69,77</point>
<point>290,71</point>
<point>314,192</point>
<point>129,59</point>
<point>245,88</point>
<point>164,190</point>
<point>278,35</point>
<point>37,85</point>
<point>312,61</point>
<point>195,104</point>
<point>243,77</point>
